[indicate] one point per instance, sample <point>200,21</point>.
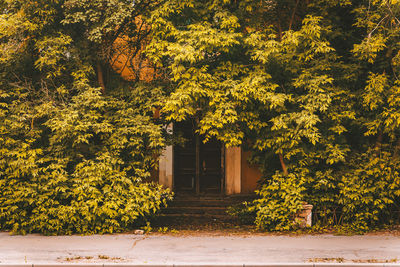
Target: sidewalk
<point>200,249</point>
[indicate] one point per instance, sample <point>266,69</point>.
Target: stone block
<point>304,216</point>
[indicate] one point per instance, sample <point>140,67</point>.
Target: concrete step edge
<point>206,265</point>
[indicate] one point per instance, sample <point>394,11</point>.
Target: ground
<point>188,247</point>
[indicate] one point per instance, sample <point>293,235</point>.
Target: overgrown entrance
<point>198,166</point>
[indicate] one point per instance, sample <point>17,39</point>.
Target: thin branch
<point>141,6</point>
<point>293,14</point>
<point>377,25</point>
<point>391,12</point>
<point>100,78</point>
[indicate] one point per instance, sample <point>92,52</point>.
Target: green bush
<point>79,167</point>
<point>78,143</point>
<point>313,92</point>
<point>370,193</point>
<point>279,201</point>
<point>360,196</point>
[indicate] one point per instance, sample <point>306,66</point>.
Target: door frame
<point>230,168</point>
<point>199,176</point>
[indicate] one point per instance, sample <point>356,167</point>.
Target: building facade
<point>197,167</point>
<point>205,168</point>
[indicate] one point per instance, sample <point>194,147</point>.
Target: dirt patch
<point>222,228</point>
<point>90,259</point>
<point>341,260</point>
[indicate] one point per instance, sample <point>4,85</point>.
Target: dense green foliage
<point>76,149</point>
<point>310,87</point>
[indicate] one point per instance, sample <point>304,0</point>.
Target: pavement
<point>201,249</point>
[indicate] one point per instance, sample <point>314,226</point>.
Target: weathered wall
<point>240,176</point>
<point>250,174</point>
<point>128,59</point>
<point>232,170</point>
<point>166,168</point>
<point>131,64</point>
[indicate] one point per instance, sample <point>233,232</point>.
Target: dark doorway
<point>198,166</point>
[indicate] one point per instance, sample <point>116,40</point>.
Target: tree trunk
<point>396,149</point>
<point>280,35</point>
<point>100,78</point>
<point>293,15</point>
<point>378,143</point>
<point>284,168</point>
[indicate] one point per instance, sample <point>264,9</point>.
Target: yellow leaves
<point>338,129</point>
<point>280,199</point>
<point>53,50</point>
<point>311,26</point>
<point>227,21</point>
<point>87,187</point>
<point>396,62</point>
<point>305,44</point>
<point>370,47</point>
<point>376,87</point>
<point>336,154</point>
<point>385,2</point>
<point>381,96</point>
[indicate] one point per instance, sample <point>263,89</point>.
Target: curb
<point>210,265</point>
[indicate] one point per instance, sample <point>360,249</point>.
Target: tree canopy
<point>78,143</point>
<point>311,87</point>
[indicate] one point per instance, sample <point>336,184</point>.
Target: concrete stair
<point>199,210</point>
<point>194,210</point>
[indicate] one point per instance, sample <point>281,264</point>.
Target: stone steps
<point>198,210</point>
<point>201,203</point>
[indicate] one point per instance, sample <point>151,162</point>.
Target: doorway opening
<point>198,166</point>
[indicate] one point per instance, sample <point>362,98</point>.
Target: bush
<point>369,193</point>
<point>79,167</point>
<point>359,196</point>
<point>280,199</point>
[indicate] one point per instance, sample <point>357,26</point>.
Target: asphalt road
<point>199,249</point>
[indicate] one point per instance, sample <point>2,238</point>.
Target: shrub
<point>361,195</point>
<point>280,199</point>
<point>369,193</point>
<point>79,167</point>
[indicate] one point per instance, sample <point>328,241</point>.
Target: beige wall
<point>166,168</point>
<point>240,176</point>
<point>233,158</point>
<point>250,174</point>
<point>166,164</point>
